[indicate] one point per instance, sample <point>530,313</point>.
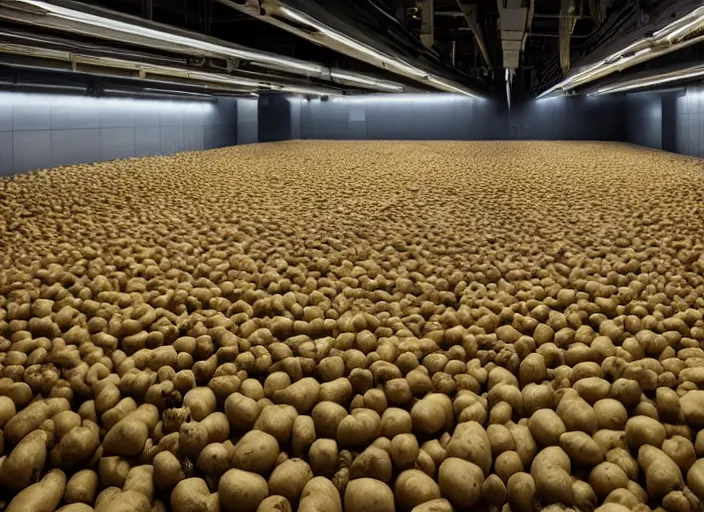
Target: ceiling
<point>457,44</point>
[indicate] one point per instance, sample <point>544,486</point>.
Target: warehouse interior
<point>351,255</point>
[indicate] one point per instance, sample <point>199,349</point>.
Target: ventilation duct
<point>514,21</point>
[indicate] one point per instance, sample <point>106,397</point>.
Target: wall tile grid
<point>43,131</point>
<point>689,127</point>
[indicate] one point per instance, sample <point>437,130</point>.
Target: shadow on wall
<point>671,120</point>
<point>569,118</point>
<point>399,117</point>
<point>42,130</point>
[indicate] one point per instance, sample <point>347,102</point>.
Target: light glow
<point>653,81</point>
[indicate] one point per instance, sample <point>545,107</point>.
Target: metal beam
<point>148,9</point>
<point>470,14</point>
<point>427,23</point>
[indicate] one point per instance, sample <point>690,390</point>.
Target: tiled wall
<point>569,118</point>
<point>42,131</point>
<point>644,121</point>
<point>247,122</point>
<point>689,126</point>
<point>401,116</point>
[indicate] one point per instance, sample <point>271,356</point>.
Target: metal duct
<point>513,17</point>
<point>297,22</point>
<point>427,23</point>
<point>109,66</point>
<point>77,18</point>
<point>567,23</point>
<point>469,11</point>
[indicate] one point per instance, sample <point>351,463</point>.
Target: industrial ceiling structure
<point>479,48</point>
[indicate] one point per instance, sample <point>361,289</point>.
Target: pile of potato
<point>357,326</point>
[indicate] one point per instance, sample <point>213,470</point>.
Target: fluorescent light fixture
<point>378,84</point>
<point>141,31</point>
<point>655,80</point>
<point>660,43</point>
<point>91,103</point>
<point>385,61</point>
<point>309,92</point>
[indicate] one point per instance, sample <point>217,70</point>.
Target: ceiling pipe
<point>305,26</point>
<point>142,70</point>
<point>470,14</point>
<point>77,18</point>
<point>671,38</point>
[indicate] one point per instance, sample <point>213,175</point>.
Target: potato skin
<point>43,496</point>
<point>368,495</point>
<point>256,451</point>
<point>289,478</point>
<point>460,482</point>
<point>413,487</point>
<point>241,491</point>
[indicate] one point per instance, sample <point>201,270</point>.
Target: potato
<point>413,488</point>
<point>507,464</point>
<point>338,391</point>
<point>43,496</point>
<point>493,491</point>
<point>323,456</point>
<point>277,420</point>
<point>470,442</point>
<point>526,446</point>
<point>395,421</point>
<point>551,472</point>
<point>546,427</point>
<point>140,479</point>
<point>432,414</point>
<point>695,478</point>
<point>359,428</point>
<point>167,470</point>
<point>255,452</point>
<point>521,492</point>
<point>302,435</point>
<point>439,505</point>
<point>584,496</point>
<point>77,446</point>
<point>623,459</point>
<point>681,451</point>
<point>611,414</point>
<point>82,487</point>
<point>289,478</point>
<point>606,477</point>
<point>327,417</point>
<point>641,430</point>
<point>193,495</point>
<point>113,471</point>
<point>274,504</point>
<point>404,451</point>
<point>366,494</point>
<point>320,495</point>
<point>460,482</point>
<point>577,414</point>
<point>692,405</point>
<point>581,448</point>
<point>201,401</point>
<point>372,463</point>
<point>241,411</point>
<point>7,410</point>
<point>303,395</point>
<point>26,459</point>
<point>662,474</point>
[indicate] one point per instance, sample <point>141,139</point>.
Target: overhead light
<point>141,31</point>
<point>100,26</point>
<point>309,92</point>
<point>660,43</point>
<point>155,93</point>
<point>386,61</point>
<point>654,80</point>
<point>378,84</point>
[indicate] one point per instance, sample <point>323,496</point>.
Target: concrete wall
<point>569,118</point>
<point>401,117</point>
<point>644,119</point>
<point>247,121</point>
<point>42,131</point>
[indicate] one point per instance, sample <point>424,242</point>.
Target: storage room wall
<point>247,121</point>
<point>401,117</point>
<point>672,120</point>
<point>569,118</point>
<point>644,119</point>
<point>41,130</point>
